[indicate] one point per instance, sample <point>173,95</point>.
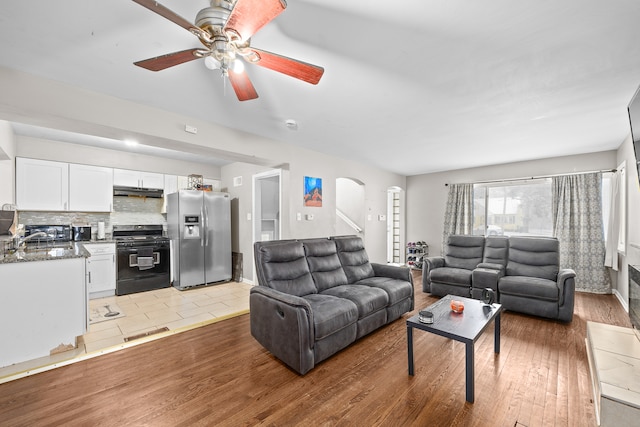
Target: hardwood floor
<point>219,375</point>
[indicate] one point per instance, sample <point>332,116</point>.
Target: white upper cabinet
<point>42,185</point>
<point>90,188</point>
<point>137,179</point>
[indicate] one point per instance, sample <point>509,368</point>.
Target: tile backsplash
<point>126,211</point>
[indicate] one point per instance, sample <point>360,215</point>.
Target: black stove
<point>143,258</point>
<point>136,235</point>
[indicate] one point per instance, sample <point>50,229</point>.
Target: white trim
<point>623,303</point>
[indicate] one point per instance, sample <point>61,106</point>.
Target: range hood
<point>137,192</point>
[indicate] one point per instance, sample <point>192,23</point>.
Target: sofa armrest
<point>428,264</point>
<point>283,324</point>
<point>492,266</point>
<point>567,288</point>
<point>392,272</point>
<point>483,277</point>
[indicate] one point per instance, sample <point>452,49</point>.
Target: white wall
<point>625,153</point>
<point>305,163</point>
<point>427,194</point>
<point>7,155</point>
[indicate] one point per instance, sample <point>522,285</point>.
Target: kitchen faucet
<point>20,241</point>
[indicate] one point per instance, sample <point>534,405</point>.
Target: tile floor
<point>145,312</point>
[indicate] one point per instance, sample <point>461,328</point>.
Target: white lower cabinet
<point>43,308</point>
<point>101,269</point>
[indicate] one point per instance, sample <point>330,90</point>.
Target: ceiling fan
<point>225,29</point>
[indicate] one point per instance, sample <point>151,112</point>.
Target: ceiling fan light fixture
<point>211,63</point>
<point>237,66</point>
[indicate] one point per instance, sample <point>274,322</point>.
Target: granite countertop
<point>44,253</point>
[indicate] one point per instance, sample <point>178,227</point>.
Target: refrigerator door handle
<point>206,225</point>
<point>202,226</point>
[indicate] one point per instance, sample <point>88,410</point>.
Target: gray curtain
<point>458,215</point>
<point>577,223</point>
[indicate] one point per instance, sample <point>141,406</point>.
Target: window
<point>518,208</point>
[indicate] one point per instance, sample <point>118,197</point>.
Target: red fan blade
<point>242,86</point>
<point>169,60</point>
<point>156,7</point>
<point>248,16</point>
<point>291,67</point>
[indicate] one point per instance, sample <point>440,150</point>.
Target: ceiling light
<point>130,142</point>
<point>238,66</point>
<point>211,63</point>
<point>291,124</point>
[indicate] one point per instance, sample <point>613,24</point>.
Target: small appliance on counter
<point>55,234</point>
<point>81,233</point>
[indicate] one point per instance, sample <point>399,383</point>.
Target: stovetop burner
<point>139,233</point>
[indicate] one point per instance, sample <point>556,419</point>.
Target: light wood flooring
<point>219,375</point>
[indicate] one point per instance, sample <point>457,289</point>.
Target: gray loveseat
<point>524,272</point>
<point>317,296</point>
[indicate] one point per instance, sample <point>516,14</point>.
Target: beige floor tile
<point>90,347</point>
<point>203,317</point>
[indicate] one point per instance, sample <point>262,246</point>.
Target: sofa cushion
<point>534,257</point>
<point>397,290</point>
<point>284,268</point>
<point>452,276</point>
<point>353,258</point>
<point>331,314</point>
<point>464,251</point>
<point>324,264</point>
<point>496,249</point>
<point>366,298</point>
<point>530,287</point>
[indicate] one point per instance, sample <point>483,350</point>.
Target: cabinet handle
<point>89,277</point>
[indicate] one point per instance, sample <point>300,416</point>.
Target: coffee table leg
<point>410,348</point>
<point>496,334</point>
<point>469,371</point>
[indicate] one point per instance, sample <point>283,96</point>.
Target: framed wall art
<point>312,191</point>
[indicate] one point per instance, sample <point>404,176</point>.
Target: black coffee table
<point>465,327</point>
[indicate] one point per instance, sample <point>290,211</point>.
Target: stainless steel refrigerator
<point>199,226</point>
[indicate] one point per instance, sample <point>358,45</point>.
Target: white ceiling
<point>414,86</point>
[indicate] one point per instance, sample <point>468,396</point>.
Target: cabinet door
<point>101,273</point>
<point>126,178</point>
<point>138,179</point>
<point>42,185</point>
<point>152,180</point>
<point>90,188</point>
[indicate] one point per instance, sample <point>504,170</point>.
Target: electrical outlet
<point>309,217</point>
<point>382,217</point>
<point>299,216</point>
<point>249,217</point>
<point>191,129</point>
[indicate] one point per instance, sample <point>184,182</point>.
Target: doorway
<point>266,206</point>
<point>395,225</point>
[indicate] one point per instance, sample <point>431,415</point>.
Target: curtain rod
<point>540,176</point>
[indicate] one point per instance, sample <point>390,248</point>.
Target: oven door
<point>142,268</point>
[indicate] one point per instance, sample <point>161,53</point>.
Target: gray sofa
<point>317,296</point>
<point>524,272</point>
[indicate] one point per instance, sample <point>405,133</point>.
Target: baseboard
<point>621,300</point>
